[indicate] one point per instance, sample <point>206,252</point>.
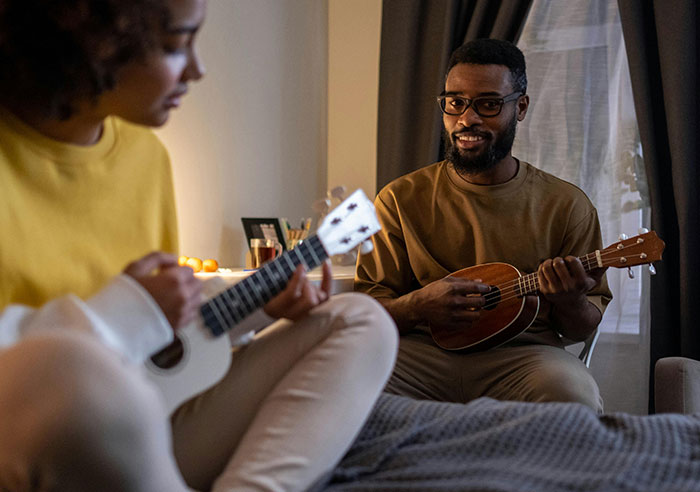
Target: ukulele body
<point>507,314</point>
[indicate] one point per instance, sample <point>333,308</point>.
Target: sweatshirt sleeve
<point>122,315</point>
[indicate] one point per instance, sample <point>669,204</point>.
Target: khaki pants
<point>285,413</point>
<point>534,373</point>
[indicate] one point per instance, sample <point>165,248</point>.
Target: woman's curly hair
<point>54,53</point>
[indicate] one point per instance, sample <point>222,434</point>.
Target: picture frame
<point>264,228</point>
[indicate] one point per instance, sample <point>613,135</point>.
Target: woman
<point>85,189</point>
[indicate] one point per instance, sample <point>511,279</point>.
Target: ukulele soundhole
<point>170,356</point>
<point>494,298</point>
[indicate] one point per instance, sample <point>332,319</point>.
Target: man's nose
<point>469,117</point>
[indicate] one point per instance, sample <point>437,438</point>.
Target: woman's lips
<point>174,100</point>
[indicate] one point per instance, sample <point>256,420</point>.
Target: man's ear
<point>523,104</point>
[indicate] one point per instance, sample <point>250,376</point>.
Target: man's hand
<point>448,302</point>
<point>174,288</point>
<point>451,301</point>
<point>300,295</point>
<point>565,281</point>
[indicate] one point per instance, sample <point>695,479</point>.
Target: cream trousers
<point>74,418</point>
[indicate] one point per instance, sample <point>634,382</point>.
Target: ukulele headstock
<point>349,224</point>
<point>638,250</point>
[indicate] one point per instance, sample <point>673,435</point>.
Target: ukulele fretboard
<point>230,307</point>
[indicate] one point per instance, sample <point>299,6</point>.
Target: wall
<point>354,33</point>
<point>250,138</point>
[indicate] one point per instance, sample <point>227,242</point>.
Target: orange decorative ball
<point>210,265</point>
<point>195,264</point>
<point>182,260</point>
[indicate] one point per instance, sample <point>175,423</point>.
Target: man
<point>483,205</point>
<point>85,194</point>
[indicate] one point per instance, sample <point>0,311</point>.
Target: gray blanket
<point>489,445</point>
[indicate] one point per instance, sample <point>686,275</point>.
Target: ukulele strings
<point>495,297</point>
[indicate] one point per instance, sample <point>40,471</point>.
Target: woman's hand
<point>174,288</point>
<point>300,295</point>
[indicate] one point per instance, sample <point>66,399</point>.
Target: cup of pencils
<point>296,236</point>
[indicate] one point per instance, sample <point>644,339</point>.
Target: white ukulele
<point>200,355</point>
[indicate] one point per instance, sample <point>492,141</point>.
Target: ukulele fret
<point>231,306</point>
<point>248,301</point>
<point>258,292</point>
<point>213,319</point>
<point>244,300</point>
<point>290,263</point>
<point>530,284</point>
<point>223,312</point>
<point>234,306</point>
<point>300,256</point>
<point>317,260</point>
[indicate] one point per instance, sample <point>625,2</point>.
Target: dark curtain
<point>417,39</point>
<point>660,37</point>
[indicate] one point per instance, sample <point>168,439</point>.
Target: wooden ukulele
<point>512,303</point>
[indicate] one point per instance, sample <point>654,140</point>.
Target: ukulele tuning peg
<point>366,247</point>
<point>630,272</point>
<point>652,270</point>
<point>643,230</point>
<point>338,192</point>
<point>623,236</point>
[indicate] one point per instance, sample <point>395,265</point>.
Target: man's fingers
<point>549,278</point>
<point>470,301</point>
<point>463,286</point>
<point>597,274</point>
<point>150,262</point>
<point>575,267</point>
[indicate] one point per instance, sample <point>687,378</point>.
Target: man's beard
<point>494,152</point>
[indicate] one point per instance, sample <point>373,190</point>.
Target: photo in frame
<point>263,228</point>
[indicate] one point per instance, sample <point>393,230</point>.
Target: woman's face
<point>146,90</point>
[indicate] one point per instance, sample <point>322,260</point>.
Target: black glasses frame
<point>469,103</point>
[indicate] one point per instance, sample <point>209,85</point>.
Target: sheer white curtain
<point>581,126</point>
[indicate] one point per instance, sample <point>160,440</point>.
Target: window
<point>581,126</point>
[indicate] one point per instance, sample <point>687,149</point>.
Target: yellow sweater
<point>71,217</point>
<point>435,223</point>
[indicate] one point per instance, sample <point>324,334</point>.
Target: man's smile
<point>469,141</point>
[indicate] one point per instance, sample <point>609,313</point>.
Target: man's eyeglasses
<point>483,106</point>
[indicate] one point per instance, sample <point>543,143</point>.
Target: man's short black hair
<point>56,53</point>
<point>493,52</point>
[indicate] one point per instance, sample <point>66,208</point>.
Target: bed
<point>488,445</point>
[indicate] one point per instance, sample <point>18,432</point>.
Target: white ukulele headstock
<point>349,224</point>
